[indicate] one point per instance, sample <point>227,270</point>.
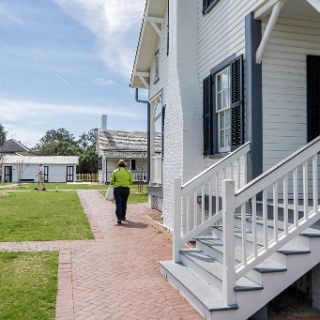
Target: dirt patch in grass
<point>3,194</point>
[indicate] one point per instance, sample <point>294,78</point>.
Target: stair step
<point>214,268</point>
<point>266,266</point>
<point>288,249</point>
<point>209,297</point>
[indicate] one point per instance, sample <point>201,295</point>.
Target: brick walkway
<point>116,276</point>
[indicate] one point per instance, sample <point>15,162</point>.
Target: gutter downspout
<point>148,131</point>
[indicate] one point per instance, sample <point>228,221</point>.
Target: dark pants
<point>121,195</point>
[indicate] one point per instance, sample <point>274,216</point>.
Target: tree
<point>3,135</point>
<point>61,142</point>
<point>57,142</point>
<point>88,139</point>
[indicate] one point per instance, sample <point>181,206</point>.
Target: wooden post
<point>228,280</point>
<point>177,221</point>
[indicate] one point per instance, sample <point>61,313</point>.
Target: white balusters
<point>203,203</point>
<point>245,166</point>
<point>265,219</point>
<point>244,234</point>
<point>285,204</point>
<point>216,179</point>
<point>254,226</point>
<point>177,220</point>
<point>195,208</point>
<point>295,197</point>
<point>315,182</point>
<point>188,213</point>
<point>305,190</point>
<point>275,211</point>
<point>210,197</point>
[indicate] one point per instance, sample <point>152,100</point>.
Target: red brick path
<point>116,276</point>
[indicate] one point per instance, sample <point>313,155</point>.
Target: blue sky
<point>65,62</point>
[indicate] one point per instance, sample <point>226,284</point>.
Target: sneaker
<point>44,189</point>
<point>119,222</point>
<point>36,188</point>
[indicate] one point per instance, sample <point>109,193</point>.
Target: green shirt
<point>121,177</point>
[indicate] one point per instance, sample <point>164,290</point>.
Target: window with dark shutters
<point>207,117</point>
<point>313,97</point>
<point>208,5</point>
<point>237,117</point>
<point>100,163</point>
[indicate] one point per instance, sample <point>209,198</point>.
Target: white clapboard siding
<point>284,87</point>
<point>218,39</point>
<point>163,64</point>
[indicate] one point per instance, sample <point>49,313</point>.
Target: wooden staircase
<point>259,239</point>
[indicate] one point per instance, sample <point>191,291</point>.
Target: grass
<point>53,186</point>
<point>28,285</point>
<point>135,196</point>
<point>40,216</point>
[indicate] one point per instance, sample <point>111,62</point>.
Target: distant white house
<point>17,168</point>
<point>131,146</point>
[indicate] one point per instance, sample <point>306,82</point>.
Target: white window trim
<point>218,112</point>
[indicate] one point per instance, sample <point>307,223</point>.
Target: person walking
<point>40,178</point>
<point>121,179</point>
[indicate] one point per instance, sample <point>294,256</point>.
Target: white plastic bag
<point>110,193</point>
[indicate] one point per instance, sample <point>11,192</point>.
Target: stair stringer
<point>273,284</point>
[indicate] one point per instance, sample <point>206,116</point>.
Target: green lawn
<point>28,285</point>
<point>54,186</point>
<point>39,216</point>
<point>135,196</point>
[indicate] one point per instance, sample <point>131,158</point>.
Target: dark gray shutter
<point>237,116</point>
<point>207,117</point>
<point>207,5</point>
<point>313,96</point>
<point>162,128</point>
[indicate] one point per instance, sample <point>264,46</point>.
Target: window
<point>133,165</point>
<point>156,67</point>
<point>223,109</point>
<point>208,5</point>
<point>100,163</point>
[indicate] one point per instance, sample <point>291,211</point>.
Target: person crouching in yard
<point>121,179</point>
<point>40,176</point>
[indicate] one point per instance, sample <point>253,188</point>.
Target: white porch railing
<point>198,202</point>
<point>156,169</point>
<point>137,176</point>
<point>287,180</point>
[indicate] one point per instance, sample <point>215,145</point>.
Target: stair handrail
<point>279,170</point>
<point>216,167</point>
<point>181,190</point>
<point>259,185</point>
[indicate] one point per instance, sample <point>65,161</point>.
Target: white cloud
<point>28,120</point>
<point>100,81</point>
<point>114,23</point>
<point>15,110</point>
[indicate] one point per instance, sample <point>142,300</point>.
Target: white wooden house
<point>239,82</point>
<point>131,146</point>
<point>21,168</point>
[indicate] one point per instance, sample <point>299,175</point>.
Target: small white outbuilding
<point>17,168</point>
